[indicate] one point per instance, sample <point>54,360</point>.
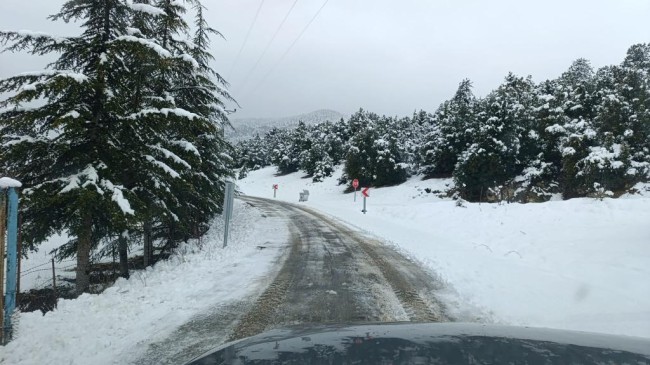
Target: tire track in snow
<point>360,280</point>
<point>331,274</point>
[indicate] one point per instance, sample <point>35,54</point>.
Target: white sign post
<point>228,202</point>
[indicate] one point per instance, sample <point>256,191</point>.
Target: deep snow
<point>116,327</point>
<point>581,264</point>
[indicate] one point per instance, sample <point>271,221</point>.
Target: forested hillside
<point>586,133</point>
<point>246,128</point>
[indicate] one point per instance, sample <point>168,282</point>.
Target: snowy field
<point>116,327</point>
<point>581,264</point>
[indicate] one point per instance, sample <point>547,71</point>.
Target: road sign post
<point>355,185</point>
<point>228,202</point>
<point>275,189</point>
<point>365,194</point>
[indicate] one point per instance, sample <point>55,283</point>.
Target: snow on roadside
<point>116,326</point>
<point>581,264</point>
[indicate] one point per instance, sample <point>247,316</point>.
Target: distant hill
<point>247,127</point>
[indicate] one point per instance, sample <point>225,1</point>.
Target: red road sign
<point>355,183</point>
<point>365,192</point>
<point>275,186</point>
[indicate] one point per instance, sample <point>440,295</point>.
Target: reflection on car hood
<point>429,343</point>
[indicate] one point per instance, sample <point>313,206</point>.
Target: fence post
<point>3,221</point>
<point>12,259</point>
<point>54,283</point>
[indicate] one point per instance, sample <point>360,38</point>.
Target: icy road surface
<point>330,274</point>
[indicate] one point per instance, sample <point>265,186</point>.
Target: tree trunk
<point>123,252</point>
<point>84,244</point>
<point>148,244</point>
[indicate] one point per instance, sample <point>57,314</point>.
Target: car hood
<point>429,343</point>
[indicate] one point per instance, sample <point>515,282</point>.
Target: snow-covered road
<point>336,275</point>
<point>330,274</point>
<point>580,264</point>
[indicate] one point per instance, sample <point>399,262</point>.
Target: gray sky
<point>387,56</point>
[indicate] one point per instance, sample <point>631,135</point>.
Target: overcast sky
<point>387,56</point>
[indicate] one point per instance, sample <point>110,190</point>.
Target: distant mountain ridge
<point>246,128</point>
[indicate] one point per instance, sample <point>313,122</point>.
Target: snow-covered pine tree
<point>542,174</point>
<point>636,69</point>
<point>620,157</point>
<point>409,135</point>
<point>336,136</point>
<point>253,154</point>
<point>107,142</point>
<point>389,165</point>
<point>186,158</point>
<point>285,153</point>
<point>361,154</point>
<point>421,125</point>
<point>576,93</point>
<point>374,155</point>
<point>322,162</point>
<point>59,133</point>
<point>313,150</point>
<point>449,135</point>
<point>491,161</point>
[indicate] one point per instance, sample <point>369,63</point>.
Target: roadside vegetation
<point>586,133</point>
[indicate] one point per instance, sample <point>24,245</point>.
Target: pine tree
<point>495,157</point>
<point>619,157</point>
<point>577,94</point>
<point>72,174</point>
<point>449,136</point>
<point>285,153</point>
<point>117,145</point>
<point>187,156</point>
<point>542,173</point>
<point>361,153</point>
<point>374,154</point>
<point>389,167</point>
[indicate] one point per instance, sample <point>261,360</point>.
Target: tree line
<point>119,142</point>
<point>586,133</point>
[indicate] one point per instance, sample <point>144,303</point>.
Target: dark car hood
<point>429,343</point>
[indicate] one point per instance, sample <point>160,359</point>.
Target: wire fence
<point>49,263</point>
<point>46,280</point>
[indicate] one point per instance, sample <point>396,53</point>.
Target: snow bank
<point>115,327</point>
<point>581,264</point>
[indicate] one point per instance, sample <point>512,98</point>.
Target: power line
<point>268,45</point>
<point>290,47</point>
<point>246,38</point>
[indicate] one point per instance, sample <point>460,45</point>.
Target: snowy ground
<point>117,326</point>
<point>581,264</point>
